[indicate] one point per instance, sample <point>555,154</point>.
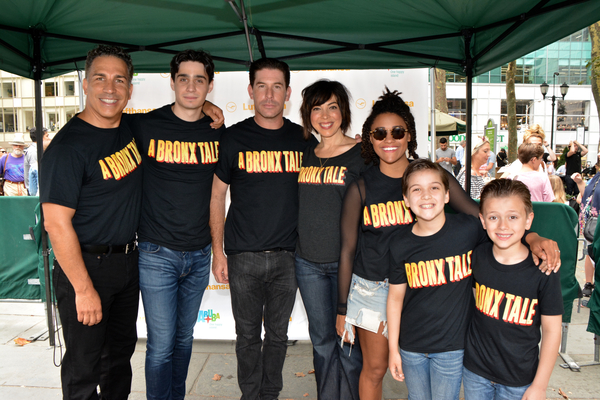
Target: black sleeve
<point>349,229</point>
<point>460,201</point>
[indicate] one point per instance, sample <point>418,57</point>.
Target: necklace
<point>322,163</point>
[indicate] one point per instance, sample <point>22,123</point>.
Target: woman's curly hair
<point>390,102</point>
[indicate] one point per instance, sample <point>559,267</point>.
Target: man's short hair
<point>529,150</point>
<point>193,55</point>
<point>443,140</point>
<point>270,63</point>
<point>104,51</point>
<point>32,134</point>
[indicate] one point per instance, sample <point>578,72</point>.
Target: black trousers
<point>100,354</point>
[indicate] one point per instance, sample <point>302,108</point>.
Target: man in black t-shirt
<point>180,151</point>
<point>91,196</point>
<point>260,159</point>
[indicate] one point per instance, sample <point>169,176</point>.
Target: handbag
<point>589,228</point>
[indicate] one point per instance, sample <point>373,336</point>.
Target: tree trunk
<point>441,103</point>
<point>595,64</point>
<point>511,111</point>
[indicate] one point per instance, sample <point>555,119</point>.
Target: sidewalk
<point>28,373</point>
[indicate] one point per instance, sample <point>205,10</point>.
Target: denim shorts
<point>367,305</point>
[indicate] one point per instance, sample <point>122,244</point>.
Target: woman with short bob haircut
<point>327,170</point>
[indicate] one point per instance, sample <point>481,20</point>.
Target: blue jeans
<point>479,388</point>
<point>100,354</point>
<point>337,369</point>
<point>172,284</point>
<point>432,375</point>
<point>262,284</point>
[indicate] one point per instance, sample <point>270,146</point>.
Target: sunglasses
<point>397,132</point>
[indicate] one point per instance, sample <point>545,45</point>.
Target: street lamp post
<point>564,88</point>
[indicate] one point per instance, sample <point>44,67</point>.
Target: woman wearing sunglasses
<point>327,170</point>
<point>372,211</point>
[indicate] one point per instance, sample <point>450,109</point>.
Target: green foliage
<point>563,157</point>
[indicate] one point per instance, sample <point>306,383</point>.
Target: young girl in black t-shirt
<point>429,302</point>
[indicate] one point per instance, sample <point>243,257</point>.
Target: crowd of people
<point>138,202</point>
<point>19,169</point>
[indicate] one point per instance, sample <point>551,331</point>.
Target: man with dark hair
<point>180,152</point>
<point>445,156</point>
<point>260,159</point>
<point>30,166</point>
<point>91,196</point>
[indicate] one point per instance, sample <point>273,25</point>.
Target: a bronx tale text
<point>166,151</point>
<point>121,163</point>
<point>323,175</point>
<point>386,214</point>
<point>431,272</point>
<point>256,162</point>
<point>515,310</point>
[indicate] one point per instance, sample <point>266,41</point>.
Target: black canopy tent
<point>44,38</point>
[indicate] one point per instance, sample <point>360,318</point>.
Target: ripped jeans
<point>367,305</point>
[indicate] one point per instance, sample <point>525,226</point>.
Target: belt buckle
<point>129,248</point>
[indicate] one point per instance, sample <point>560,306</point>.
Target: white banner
<point>151,91</point>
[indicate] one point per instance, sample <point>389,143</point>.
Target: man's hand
<point>547,251</point>
<point>89,307</point>
<point>219,269</point>
<point>215,113</point>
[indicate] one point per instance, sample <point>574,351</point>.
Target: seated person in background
<point>558,187</point>
<point>531,156</point>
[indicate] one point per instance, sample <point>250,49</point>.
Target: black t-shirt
<point>573,163</point>
<point>383,213</point>
<point>502,340</point>
<point>97,172</point>
<point>372,210</point>
<point>180,158</point>
<point>322,184</point>
<point>437,270</point>
<point>261,166</point>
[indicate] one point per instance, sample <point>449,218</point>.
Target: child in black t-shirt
<point>430,298</point>
<point>512,301</point>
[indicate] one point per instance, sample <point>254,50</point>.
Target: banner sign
<point>230,93</point>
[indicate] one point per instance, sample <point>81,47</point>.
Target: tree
<point>511,111</point>
<point>441,102</point>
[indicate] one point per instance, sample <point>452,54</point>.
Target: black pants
<point>263,285</point>
<point>100,354</point>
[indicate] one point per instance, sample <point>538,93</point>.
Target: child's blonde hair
<point>558,187</point>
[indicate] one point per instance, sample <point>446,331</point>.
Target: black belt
<point>109,249</point>
<point>273,250</point>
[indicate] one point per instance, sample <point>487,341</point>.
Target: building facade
<point>569,58</point>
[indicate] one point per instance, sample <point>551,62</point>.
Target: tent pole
<point>468,133</point>
<point>39,122</point>
<point>468,68</point>
<point>432,131</point>
<point>242,17</point>
<point>245,20</point>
